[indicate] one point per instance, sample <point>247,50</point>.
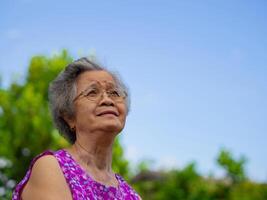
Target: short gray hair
<point>62,91</point>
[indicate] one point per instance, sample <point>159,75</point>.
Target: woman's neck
<point>95,151</point>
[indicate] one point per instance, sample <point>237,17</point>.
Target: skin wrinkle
<point>95,133</point>
<point>62,91</point>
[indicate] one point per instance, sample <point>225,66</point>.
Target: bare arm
<point>47,182</point>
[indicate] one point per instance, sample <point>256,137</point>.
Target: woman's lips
<point>108,112</point>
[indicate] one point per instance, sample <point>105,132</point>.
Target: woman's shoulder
<point>45,165</point>
<point>44,180</point>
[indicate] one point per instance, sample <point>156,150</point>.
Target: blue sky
<point>196,69</point>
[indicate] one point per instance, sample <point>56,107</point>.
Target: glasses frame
<point>83,93</point>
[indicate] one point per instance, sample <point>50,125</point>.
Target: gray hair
<point>62,91</point>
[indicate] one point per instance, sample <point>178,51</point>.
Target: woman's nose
<point>106,100</point>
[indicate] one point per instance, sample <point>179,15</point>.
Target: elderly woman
<point>89,106</point>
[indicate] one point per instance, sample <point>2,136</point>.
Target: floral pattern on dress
<point>81,185</point>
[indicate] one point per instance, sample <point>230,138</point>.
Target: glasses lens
<point>92,93</point>
<point>116,94</point>
<point>95,91</point>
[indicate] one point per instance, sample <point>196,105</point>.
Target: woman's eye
<point>92,93</point>
<point>114,93</point>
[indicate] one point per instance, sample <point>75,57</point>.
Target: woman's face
<point>102,114</point>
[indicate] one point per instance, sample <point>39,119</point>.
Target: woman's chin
<point>112,127</point>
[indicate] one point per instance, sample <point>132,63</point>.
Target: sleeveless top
<point>81,185</point>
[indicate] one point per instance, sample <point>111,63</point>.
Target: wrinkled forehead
<point>103,84</point>
<point>89,78</point>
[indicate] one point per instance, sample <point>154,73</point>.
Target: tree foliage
<point>188,184</point>
<point>234,167</point>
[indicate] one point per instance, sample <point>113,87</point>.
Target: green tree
<point>188,184</point>
<point>26,127</point>
<point>235,168</point>
<point>184,184</point>
<point>247,190</point>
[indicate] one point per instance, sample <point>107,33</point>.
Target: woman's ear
<point>70,121</point>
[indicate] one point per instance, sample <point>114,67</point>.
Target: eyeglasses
<point>95,91</point>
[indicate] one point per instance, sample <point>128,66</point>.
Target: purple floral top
<point>81,185</point>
